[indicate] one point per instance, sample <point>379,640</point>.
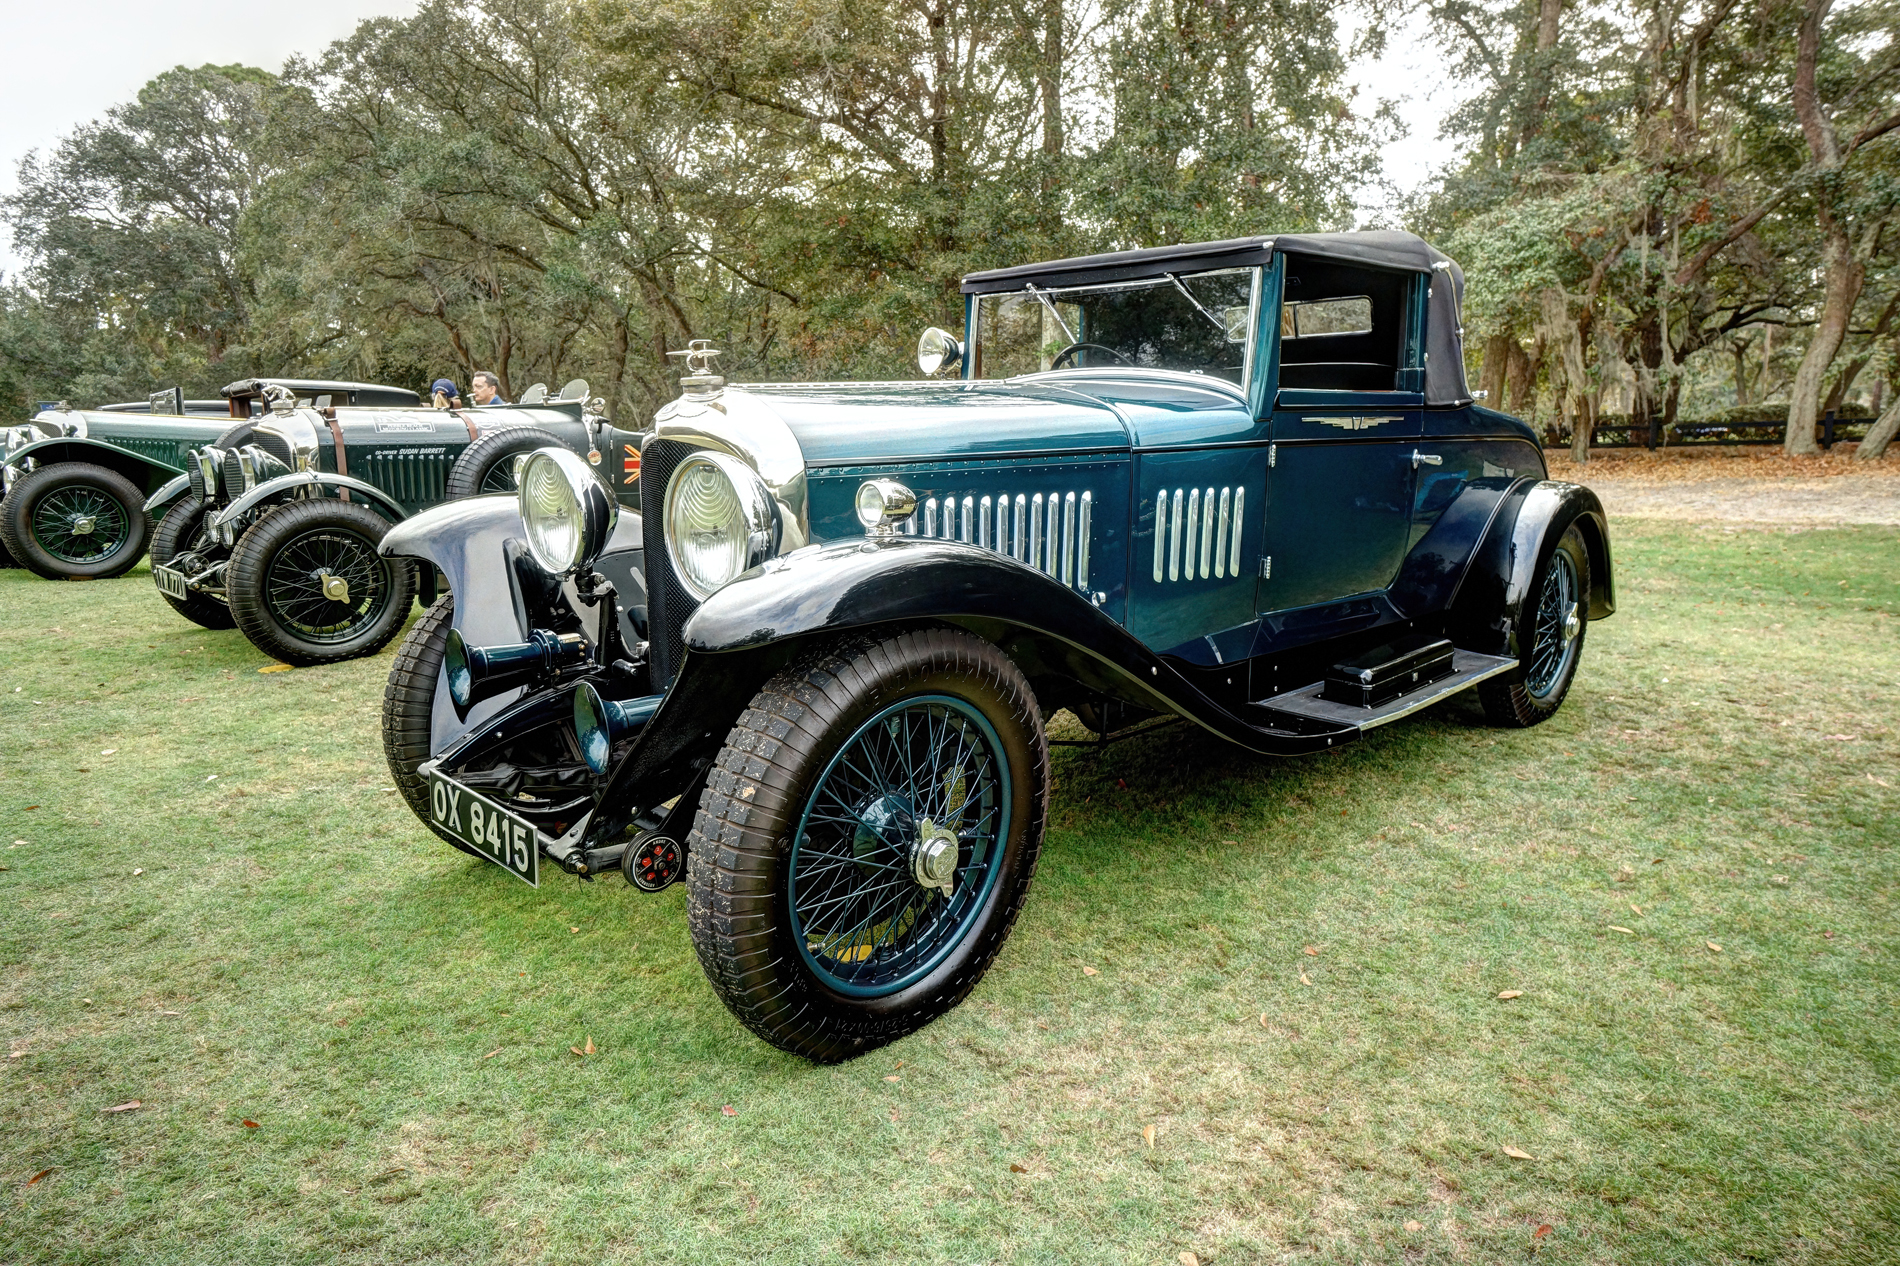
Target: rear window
<point>1349,315</point>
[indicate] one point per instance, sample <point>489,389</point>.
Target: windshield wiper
<point>1189,295</point>
<point>1043,298</point>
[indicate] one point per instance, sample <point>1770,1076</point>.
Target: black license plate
<point>498,835</point>
<point>171,582</point>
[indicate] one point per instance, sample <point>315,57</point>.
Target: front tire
<point>1550,631</point>
<point>283,590</point>
<point>177,532</point>
<point>867,838</point>
<point>75,521</point>
<point>409,709</point>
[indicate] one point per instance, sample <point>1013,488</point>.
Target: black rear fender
<point>1518,542</point>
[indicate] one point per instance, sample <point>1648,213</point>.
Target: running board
<point>1468,668</point>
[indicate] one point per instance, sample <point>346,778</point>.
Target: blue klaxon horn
<point>481,672</point>
<point>599,722</point>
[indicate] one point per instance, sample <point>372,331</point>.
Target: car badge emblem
<point>1352,424</point>
<point>631,465</point>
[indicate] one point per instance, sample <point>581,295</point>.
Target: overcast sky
<point>68,62</point>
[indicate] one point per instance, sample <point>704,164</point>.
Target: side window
<point>1341,326</point>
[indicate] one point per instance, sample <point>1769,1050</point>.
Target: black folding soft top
<point>359,393</point>
<point>1384,248</point>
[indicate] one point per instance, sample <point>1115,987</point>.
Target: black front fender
<point>1047,627</point>
<point>141,470</point>
<point>764,620</point>
<point>1518,542</point>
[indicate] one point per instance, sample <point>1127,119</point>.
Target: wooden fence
<point>1829,431</point>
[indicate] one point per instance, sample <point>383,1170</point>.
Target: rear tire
<point>1550,650</point>
<point>176,533</point>
<point>75,521</point>
<point>487,464</point>
<point>789,933</point>
<point>279,571</point>
<point>409,709</point>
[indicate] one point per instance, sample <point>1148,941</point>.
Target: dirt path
<point>1749,486</point>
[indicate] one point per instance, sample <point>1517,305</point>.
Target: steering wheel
<point>1073,348</point>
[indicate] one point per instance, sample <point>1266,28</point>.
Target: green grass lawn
<point>231,919</point>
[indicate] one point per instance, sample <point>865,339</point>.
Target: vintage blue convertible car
<point>1241,484</point>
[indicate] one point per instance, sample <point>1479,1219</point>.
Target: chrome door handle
<point>1425,459</point>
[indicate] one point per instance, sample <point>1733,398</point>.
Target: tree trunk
<point>1568,380</point>
<point>1497,355</point>
<point>1843,275</point>
<point>1880,434</point>
<point>1549,27</point>
<point>1520,381</point>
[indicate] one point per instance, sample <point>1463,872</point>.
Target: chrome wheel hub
<point>335,588</point>
<point>84,525</point>
<point>1572,625</point>
<point>933,859</point>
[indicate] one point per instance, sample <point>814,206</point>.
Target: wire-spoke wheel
<point>307,585</point>
<point>866,839</point>
<point>1550,631</point>
<point>73,519</point>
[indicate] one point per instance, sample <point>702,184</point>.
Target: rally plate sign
<point>486,828</point>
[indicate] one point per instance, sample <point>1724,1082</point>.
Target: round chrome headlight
<point>719,521</point>
<point>569,516</point>
<point>884,503</point>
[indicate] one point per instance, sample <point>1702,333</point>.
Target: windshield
<point>1197,323</point>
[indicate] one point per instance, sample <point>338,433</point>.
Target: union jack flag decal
<point>631,464</point>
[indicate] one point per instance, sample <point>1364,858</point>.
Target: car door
<point>1338,496</point>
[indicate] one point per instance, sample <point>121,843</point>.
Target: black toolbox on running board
<point>1386,672</point>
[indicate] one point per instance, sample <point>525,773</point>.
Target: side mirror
<point>937,351</point>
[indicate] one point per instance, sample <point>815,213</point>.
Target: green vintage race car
<point>274,527</point>
<point>76,480</point>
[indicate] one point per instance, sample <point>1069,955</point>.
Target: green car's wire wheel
<point>73,520</point>
<point>180,530</point>
<point>1550,631</point>
<point>307,585</point>
<point>409,709</point>
<point>866,839</point>
<point>488,464</point>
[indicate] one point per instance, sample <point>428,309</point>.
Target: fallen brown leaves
<point>1517,1153</point>
<point>127,1106</point>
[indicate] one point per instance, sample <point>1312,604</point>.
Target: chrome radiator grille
<point>1051,532</point>
<point>1197,532</point>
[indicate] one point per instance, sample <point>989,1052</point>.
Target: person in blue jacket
<point>486,388</point>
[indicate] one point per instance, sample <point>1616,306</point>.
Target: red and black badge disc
<point>654,863</point>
